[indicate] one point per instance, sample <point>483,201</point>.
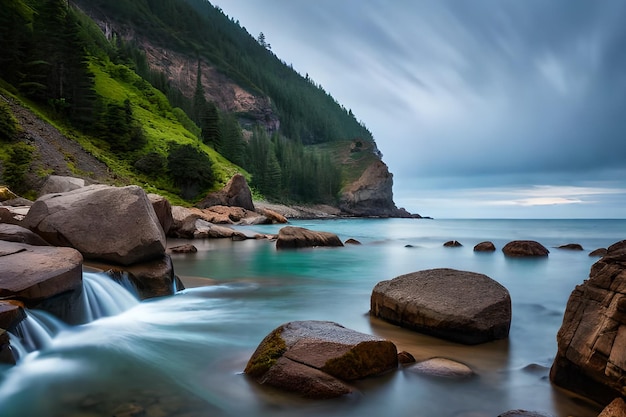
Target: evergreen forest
<point>99,89</point>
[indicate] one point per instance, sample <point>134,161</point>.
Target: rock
<point>272,215</point>
<point>617,408</point>
<point>290,237</point>
<point>520,248</point>
<point>371,194</point>
<point>598,252</point>
<point>17,202</point>
<point>11,313</point>
<point>205,229</point>
<point>102,222</point>
<point>522,413</point>
<point>405,357</point>
<point>19,234</point>
<point>235,193</point>
<point>224,214</point>
<point>352,242</point>
<point>485,247</point>
<point>6,355</point>
<point>6,194</point>
<point>152,279</point>
<point>460,306</point>
<point>314,358</point>
<point>34,273</point>
<point>13,215</point>
<point>187,248</point>
<point>163,210</point>
<point>452,244</point>
<point>591,355</point>
<point>184,222</point>
<point>442,367</point>
<point>61,184</point>
<point>571,246</point>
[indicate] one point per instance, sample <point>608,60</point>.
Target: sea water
<point>183,355</point>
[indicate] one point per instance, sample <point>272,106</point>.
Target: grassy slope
<point>352,164</point>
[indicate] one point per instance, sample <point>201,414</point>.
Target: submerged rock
<point>521,248</point>
<point>315,358</point>
<point>571,246</point>
<point>591,356</point>
<point>460,306</point>
<point>102,222</point>
<point>443,368</point>
<point>290,237</point>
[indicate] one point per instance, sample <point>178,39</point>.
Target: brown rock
<point>352,242</point>
<point>11,313</point>
<point>522,413</point>
<point>19,234</point>
<point>452,244</point>
<point>152,279</point>
<point>13,215</point>
<point>163,210</point>
<point>272,215</point>
<point>290,237</point>
<point>235,193</point>
<point>460,306</point>
<point>184,222</point>
<point>224,214</point>
<point>405,357</point>
<point>34,273</point>
<point>591,356</point>
<point>521,248</point>
<point>102,222</point>
<point>442,367</point>
<point>617,408</point>
<point>6,355</point>
<point>313,358</point>
<point>598,252</point>
<point>187,248</point>
<point>571,246</point>
<point>485,247</point>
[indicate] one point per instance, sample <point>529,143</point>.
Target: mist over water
<point>183,355</point>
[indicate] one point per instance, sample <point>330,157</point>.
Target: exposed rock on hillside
<point>235,193</point>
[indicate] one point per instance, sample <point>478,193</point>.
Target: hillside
<point>175,96</point>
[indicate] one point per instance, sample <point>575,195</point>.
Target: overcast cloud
<point>483,108</point>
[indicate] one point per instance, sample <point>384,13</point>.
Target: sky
<point>482,108</point>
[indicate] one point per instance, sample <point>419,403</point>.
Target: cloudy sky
<point>482,108</point>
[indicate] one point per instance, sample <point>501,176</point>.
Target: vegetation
<point>102,93</point>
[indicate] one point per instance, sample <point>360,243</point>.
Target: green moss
<point>266,355</point>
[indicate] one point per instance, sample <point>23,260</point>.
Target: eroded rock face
<point>460,306</point>
<point>520,248</point>
<point>315,358</point>
<point>235,193</point>
<point>290,237</point>
<point>35,273</point>
<point>591,356</point>
<point>102,222</point>
<point>371,194</point>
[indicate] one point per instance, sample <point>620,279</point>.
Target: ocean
<point>184,355</point>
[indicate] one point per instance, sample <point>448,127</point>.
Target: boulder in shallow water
<point>591,355</point>
<point>34,273</point>
<point>485,247</point>
<point>460,306</point>
<point>116,224</point>
<point>291,237</point>
<point>442,367</point>
<point>315,358</point>
<point>525,248</point>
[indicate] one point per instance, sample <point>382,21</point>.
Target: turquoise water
<point>183,355</point>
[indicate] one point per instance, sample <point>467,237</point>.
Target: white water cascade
<point>102,297</point>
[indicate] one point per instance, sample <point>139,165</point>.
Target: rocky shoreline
<point>45,245</point>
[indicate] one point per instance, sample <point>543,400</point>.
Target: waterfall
<point>104,297</point>
<point>36,331</point>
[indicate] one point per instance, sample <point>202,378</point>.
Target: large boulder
<point>522,248</point>
<point>290,237</point>
<point>314,358</point>
<point>61,184</point>
<point>235,193</point>
<point>154,278</point>
<point>15,233</point>
<point>35,273</point>
<point>485,247</point>
<point>163,210</point>
<point>102,222</point>
<point>460,306</point>
<point>591,356</point>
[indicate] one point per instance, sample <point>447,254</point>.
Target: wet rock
<point>11,313</point>
<point>443,368</point>
<point>187,248</point>
<point>290,237</point>
<point>460,306</point>
<point>591,355</point>
<point>522,248</point>
<point>405,357</point>
<point>617,408</point>
<point>6,355</point>
<point>235,193</point>
<point>352,242</point>
<point>163,210</point>
<point>598,252</point>
<point>485,247</point>
<point>522,413</point>
<point>19,234</point>
<point>152,279</point>
<point>571,246</point>
<point>34,273</point>
<point>452,244</point>
<point>102,222</point>
<point>315,358</point>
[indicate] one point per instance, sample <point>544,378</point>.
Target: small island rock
<point>485,247</point>
<point>571,246</point>
<point>598,252</point>
<point>290,237</point>
<point>452,244</point>
<point>522,248</point>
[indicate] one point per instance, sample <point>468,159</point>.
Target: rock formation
<point>315,358</point>
<point>460,306</point>
<point>290,237</point>
<point>571,246</point>
<point>485,247</point>
<point>591,356</point>
<point>522,248</point>
<point>128,230</point>
<point>19,234</point>
<point>235,193</point>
